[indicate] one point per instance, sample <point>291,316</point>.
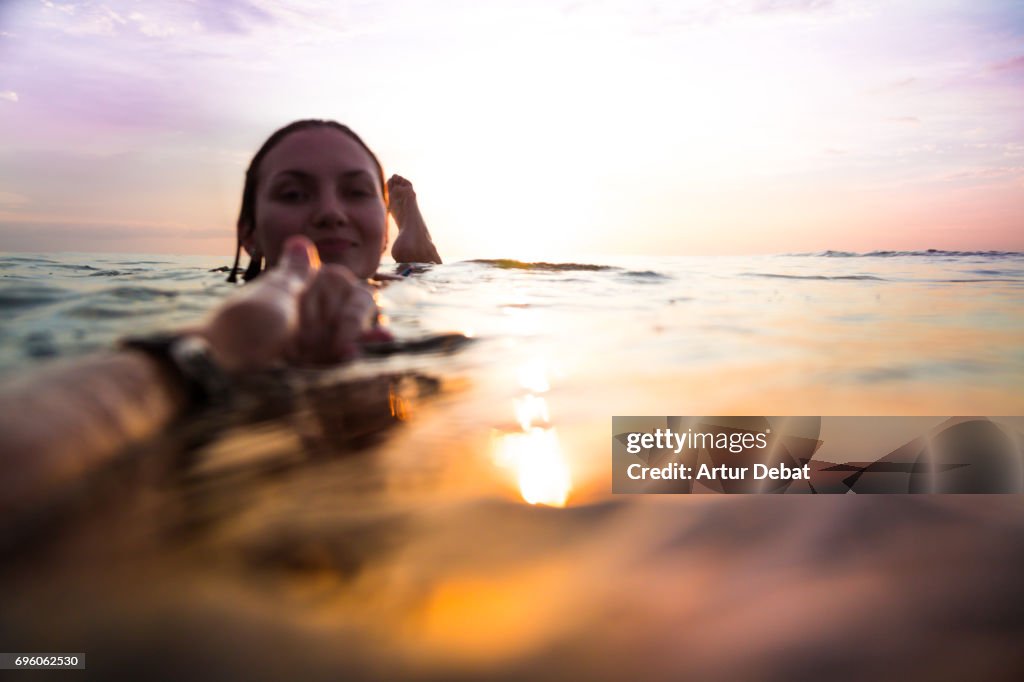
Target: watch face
<point>207,381</point>
<point>186,348</point>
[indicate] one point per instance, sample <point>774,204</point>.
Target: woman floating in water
<point>314,214</point>
<point>317,180</point>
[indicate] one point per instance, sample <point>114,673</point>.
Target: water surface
<point>447,516</point>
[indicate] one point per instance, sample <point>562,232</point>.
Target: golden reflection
<point>543,473</point>
<point>534,453</point>
<point>496,617</point>
<point>398,404</point>
<point>531,410</point>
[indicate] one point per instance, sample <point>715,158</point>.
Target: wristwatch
<point>188,359</point>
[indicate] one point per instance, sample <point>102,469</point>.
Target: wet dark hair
<point>247,214</point>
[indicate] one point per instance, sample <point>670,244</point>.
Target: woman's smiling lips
<point>334,246</point>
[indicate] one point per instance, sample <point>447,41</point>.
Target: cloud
<point>9,95</point>
<point>113,99</point>
<point>1015,64</point>
<point>989,173</point>
<point>790,6</point>
<point>118,19</point>
<point>236,17</point>
<point>101,21</point>
<point>656,17</point>
<point>904,119</point>
<point>65,7</point>
<point>894,86</point>
<point>123,237</point>
<point>12,199</point>
<point>151,28</point>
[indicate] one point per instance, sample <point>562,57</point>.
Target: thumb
<point>299,258</point>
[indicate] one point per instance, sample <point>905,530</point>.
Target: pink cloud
<point>1015,64</point>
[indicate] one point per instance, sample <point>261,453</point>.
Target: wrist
<point>188,365</point>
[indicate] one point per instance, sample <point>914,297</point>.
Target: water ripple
<point>30,295</point>
<point>819,277</point>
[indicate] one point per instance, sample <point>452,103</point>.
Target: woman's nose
<point>330,211</point>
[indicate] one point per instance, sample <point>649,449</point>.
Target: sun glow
<point>542,472</point>
<point>698,127</point>
<point>533,451</point>
<point>608,154</point>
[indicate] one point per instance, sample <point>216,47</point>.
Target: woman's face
<point>320,183</point>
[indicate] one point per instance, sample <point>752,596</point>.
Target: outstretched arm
<point>413,244</point>
<point>64,420</point>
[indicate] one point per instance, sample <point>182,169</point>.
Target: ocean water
<point>447,515</point>
<point>834,332</point>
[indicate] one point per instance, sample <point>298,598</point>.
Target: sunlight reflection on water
<point>534,452</point>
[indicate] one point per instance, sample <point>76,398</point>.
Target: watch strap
<point>188,359</point>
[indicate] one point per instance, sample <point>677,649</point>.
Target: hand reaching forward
<point>299,313</point>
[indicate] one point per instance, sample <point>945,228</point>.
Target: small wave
<point>925,253</point>
<point>40,344</point>
<point>75,267</point>
<point>509,264</point>
<point>922,371</point>
<point>99,311</point>
<point>139,293</point>
<point>29,296</point>
<point>997,273</point>
<point>816,277</point>
<point>52,265</point>
<point>28,259</point>
<point>645,275</point>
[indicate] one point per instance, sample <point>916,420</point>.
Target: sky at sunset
<point>531,128</point>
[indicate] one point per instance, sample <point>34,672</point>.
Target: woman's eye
<point>358,193</point>
<point>292,195</point>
